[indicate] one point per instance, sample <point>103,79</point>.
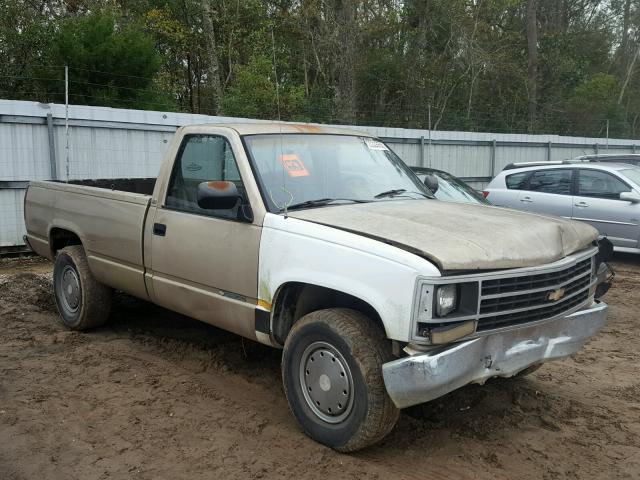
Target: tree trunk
<point>625,30</point>
<point>629,74</point>
<point>623,53</point>
<point>417,23</point>
<point>213,73</point>
<point>532,68</point>
<point>345,99</point>
<point>190,84</point>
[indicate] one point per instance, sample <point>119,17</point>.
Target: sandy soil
<point>154,395</point>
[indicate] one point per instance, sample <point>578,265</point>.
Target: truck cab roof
<point>271,128</point>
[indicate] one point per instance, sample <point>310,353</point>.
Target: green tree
<point>253,93</point>
<point>483,65</point>
<point>593,104</point>
<point>112,61</point>
<point>25,33</point>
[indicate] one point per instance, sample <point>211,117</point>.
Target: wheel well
<point>294,300</point>
<point>60,238</point>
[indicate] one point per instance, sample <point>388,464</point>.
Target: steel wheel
<point>70,289</point>
<point>326,382</point>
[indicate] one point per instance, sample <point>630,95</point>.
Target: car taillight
<point>485,193</point>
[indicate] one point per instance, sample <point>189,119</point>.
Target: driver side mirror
<point>630,197</point>
<point>217,195</point>
<point>431,181</point>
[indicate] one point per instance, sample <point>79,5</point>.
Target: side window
<point>593,183</point>
<point>517,181</point>
<point>556,181</point>
<point>202,158</point>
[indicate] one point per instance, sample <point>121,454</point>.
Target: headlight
<point>446,299</point>
<point>445,311</point>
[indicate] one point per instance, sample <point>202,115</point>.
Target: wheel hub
<point>70,289</point>
<point>326,382</point>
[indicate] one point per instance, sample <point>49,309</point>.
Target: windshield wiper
<point>399,191</point>
<point>320,202</point>
<point>391,193</point>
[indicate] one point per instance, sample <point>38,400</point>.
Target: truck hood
<point>458,236</point>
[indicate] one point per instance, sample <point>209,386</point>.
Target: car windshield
<point>307,170</point>
<point>632,174</point>
<point>452,189</point>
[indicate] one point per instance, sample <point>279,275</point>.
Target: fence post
<point>422,150</point>
<point>66,118</point>
<point>493,158</point>
<point>53,167</point>
<point>633,148</point>
<point>596,148</point>
<point>549,151</point>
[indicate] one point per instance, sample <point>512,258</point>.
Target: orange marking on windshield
<point>293,165</point>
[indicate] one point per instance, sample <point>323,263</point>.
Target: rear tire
<point>332,375</point>
<point>82,301</point>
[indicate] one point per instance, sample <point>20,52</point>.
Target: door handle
<point>159,229</point>
<point>581,204</point>
<point>526,200</point>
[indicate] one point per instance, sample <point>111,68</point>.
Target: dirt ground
<point>154,395</point>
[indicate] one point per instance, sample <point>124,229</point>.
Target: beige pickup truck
<point>322,242</point>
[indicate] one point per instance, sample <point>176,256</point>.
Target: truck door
<point>549,191</point>
<point>597,202</point>
<point>204,263</point>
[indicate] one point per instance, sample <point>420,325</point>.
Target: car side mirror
<point>217,195</point>
<point>630,197</point>
<point>431,181</point>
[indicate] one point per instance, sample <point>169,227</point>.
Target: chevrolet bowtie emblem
<point>556,294</point>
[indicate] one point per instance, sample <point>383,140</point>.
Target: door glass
<point>551,181</point>
<point>593,183</point>
<point>517,181</point>
<point>632,174</point>
<point>203,158</point>
<point>453,189</point>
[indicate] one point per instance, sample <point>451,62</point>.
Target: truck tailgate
<point>109,223</point>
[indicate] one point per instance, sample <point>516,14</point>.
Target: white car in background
<point>630,158</point>
<point>605,195</point>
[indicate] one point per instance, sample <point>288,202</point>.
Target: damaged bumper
<point>423,377</point>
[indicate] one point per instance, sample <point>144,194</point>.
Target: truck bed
<point>108,216</point>
<point>133,185</point>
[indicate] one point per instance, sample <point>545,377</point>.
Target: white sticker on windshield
<point>375,144</point>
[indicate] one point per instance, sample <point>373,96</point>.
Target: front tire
<point>332,375</point>
<point>528,371</point>
<point>82,301</point>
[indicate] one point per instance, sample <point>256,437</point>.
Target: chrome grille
<point>529,282</point>
<point>507,298</point>
<point>516,300</point>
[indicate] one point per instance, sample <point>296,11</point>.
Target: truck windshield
<point>308,170</point>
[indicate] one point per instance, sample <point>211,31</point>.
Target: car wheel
<point>332,375</point>
<point>82,301</point>
<point>528,370</point>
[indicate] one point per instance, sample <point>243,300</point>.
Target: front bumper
<point>423,377</point>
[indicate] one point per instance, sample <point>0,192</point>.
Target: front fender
<point>383,276</point>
